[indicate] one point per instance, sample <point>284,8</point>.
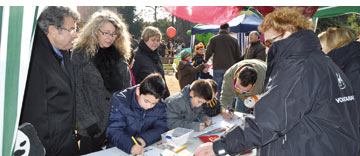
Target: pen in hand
<point>229,112</point>
<point>132,137</point>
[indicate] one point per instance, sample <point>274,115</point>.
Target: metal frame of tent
<point>239,26</point>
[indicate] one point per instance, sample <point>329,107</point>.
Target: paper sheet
<point>219,122</point>
<point>148,151</point>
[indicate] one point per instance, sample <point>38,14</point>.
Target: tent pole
<point>315,23</point>
<point>192,41</point>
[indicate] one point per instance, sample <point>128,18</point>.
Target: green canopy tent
<point>331,11</point>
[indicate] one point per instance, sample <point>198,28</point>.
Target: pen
<point>132,137</point>
<point>180,149</point>
<point>198,119</point>
<point>229,112</point>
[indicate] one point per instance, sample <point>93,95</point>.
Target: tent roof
<point>242,23</point>
<point>331,11</point>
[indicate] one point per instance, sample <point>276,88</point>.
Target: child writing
<point>212,108</point>
<point>184,108</point>
<point>138,112</point>
<point>186,72</point>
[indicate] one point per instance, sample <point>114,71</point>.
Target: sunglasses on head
<point>270,41</point>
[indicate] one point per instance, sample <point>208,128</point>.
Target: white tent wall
<point>16,43</point>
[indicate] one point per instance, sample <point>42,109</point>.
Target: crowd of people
<point>91,88</point>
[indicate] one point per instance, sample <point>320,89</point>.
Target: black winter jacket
<point>147,62</point>
<point>348,59</point>
<point>93,94</point>
<point>307,109</point>
<point>49,100</point>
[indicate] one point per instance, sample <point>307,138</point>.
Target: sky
<point>147,13</point>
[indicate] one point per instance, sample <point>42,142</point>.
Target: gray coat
<point>181,113</point>
<point>92,98</point>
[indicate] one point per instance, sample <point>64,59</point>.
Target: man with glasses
<point>49,100</point>
<point>242,80</point>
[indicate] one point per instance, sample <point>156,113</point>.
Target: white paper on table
<point>219,122</point>
<point>114,151</point>
<point>167,152</point>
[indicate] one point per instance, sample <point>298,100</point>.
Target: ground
<point>172,83</point>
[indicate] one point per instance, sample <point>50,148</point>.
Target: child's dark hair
<point>213,84</point>
<point>248,75</point>
<point>202,89</point>
<point>153,84</point>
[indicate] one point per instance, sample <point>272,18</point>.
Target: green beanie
<point>185,52</point>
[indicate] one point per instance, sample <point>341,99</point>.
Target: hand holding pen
<point>136,149</point>
<point>227,114</point>
<point>208,122</point>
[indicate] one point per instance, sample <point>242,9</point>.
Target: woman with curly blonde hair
<point>100,65</point>
<point>307,107</point>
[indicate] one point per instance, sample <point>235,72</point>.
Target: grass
<point>167,67</point>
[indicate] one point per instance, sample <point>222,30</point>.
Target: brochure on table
<point>219,122</point>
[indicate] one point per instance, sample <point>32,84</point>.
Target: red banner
<point>216,15</point>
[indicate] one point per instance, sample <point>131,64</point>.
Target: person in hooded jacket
<point>147,59</point>
<point>340,45</point>
<point>100,66</point>
<point>308,107</point>
<point>187,73</point>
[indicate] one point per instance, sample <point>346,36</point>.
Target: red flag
<point>216,15</point>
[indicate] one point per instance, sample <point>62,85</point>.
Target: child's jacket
<point>187,73</point>
<point>128,119</point>
<point>181,113</point>
<point>198,59</point>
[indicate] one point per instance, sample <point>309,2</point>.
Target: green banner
<point>12,76</point>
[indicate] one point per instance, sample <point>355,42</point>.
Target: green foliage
<point>205,38</point>
<point>135,24</point>
<point>348,21</point>
<point>163,24</point>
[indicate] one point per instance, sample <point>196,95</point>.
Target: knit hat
<point>185,52</point>
<point>198,46</point>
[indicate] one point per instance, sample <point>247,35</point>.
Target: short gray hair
<point>54,15</point>
<point>256,33</point>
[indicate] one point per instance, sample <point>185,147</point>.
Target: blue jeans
<point>218,78</point>
<point>240,107</point>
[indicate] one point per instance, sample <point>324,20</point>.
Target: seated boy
<point>212,108</point>
<point>184,108</point>
<point>138,112</point>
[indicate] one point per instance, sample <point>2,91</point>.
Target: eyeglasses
<point>108,34</point>
<point>71,31</point>
<point>270,41</point>
<point>242,91</point>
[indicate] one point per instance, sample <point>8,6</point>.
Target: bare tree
<point>155,9</point>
